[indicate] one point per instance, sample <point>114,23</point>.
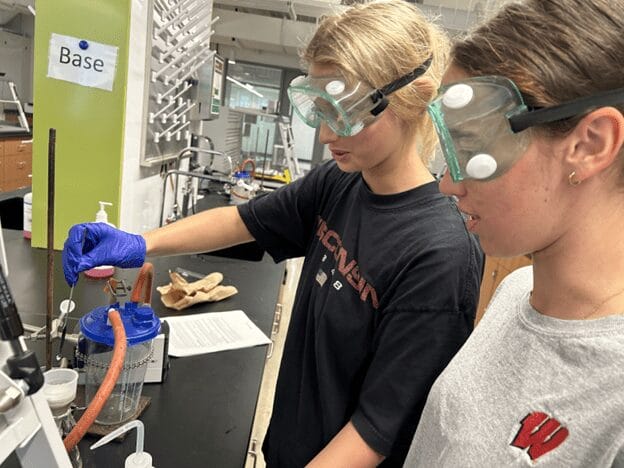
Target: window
<point>250,86</point>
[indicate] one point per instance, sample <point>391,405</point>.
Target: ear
<point>596,142</point>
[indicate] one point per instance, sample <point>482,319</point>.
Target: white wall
<point>141,187</point>
<point>16,56</point>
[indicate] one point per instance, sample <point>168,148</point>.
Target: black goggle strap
<point>544,115</point>
<point>379,94</point>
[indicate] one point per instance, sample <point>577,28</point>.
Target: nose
<point>449,187</point>
<point>326,135</point>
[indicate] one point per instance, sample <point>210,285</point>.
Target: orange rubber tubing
<point>143,283</point>
<point>107,386</point>
<point>253,167</point>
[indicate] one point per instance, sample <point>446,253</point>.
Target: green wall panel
<point>89,122</point>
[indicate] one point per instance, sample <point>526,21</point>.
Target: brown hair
<point>554,50</point>
<point>379,42</point>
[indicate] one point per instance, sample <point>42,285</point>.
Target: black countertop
<point>202,415</point>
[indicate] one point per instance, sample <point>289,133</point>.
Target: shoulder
<point>512,290</point>
<point>441,233</point>
<point>515,284</point>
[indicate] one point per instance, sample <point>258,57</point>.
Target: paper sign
<point>81,61</point>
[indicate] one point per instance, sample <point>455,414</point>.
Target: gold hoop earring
<point>571,179</point>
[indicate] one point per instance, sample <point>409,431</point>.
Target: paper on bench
<point>211,332</point>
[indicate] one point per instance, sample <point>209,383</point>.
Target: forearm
<point>206,231</point>
<point>347,448</point>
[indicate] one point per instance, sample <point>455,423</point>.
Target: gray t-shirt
<point>527,390</point>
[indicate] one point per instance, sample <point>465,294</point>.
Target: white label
<point>81,61</point>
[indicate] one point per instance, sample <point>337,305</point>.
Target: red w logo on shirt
<point>540,434</point>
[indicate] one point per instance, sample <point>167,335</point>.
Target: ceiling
<point>272,31</point>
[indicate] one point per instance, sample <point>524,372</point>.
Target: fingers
<point>69,268</point>
<point>72,250</point>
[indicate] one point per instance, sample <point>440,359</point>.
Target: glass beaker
<point>96,350</point>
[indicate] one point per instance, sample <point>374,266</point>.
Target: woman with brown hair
<point>390,282</point>
<point>531,122</point>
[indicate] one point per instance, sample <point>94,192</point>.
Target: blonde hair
<point>554,50</point>
<point>379,42</point>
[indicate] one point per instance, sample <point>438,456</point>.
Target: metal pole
<point>266,155</point>
<point>50,276</point>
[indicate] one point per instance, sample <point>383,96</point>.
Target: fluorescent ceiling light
<point>242,85</point>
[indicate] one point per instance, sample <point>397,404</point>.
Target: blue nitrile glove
<point>93,244</point>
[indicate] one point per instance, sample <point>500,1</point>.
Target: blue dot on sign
<point>84,45</point>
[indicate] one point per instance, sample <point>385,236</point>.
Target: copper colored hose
<point>143,283</point>
<point>107,386</point>
<point>253,167</point>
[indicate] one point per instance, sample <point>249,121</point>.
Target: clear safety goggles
<point>346,107</point>
<point>481,121</point>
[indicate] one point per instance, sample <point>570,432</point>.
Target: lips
<point>470,219</point>
<point>338,154</point>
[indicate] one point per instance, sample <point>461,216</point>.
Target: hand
<point>93,244</point>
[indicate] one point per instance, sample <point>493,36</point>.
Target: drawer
<point>17,146</point>
<point>17,170</point>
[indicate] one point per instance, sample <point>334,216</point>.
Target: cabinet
<point>15,163</point>
<point>496,269</point>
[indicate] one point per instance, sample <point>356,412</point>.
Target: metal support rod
<point>266,156</point>
<point>50,275</point>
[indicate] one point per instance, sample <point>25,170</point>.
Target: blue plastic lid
<point>242,175</point>
<point>141,324</point>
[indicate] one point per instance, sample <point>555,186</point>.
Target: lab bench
<point>202,415</point>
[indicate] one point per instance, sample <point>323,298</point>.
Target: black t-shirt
<point>387,296</point>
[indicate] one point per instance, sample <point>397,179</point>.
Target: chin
<point>347,167</point>
<point>493,247</point>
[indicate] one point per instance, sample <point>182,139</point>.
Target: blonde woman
<point>531,121</point>
<point>390,282</point>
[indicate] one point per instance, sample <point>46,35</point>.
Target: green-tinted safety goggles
<point>481,121</point>
<point>346,107</point>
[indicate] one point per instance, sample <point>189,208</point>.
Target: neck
<point>580,276</point>
<point>401,171</point>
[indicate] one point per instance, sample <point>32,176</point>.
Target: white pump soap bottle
<point>102,216</point>
<point>103,271</point>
